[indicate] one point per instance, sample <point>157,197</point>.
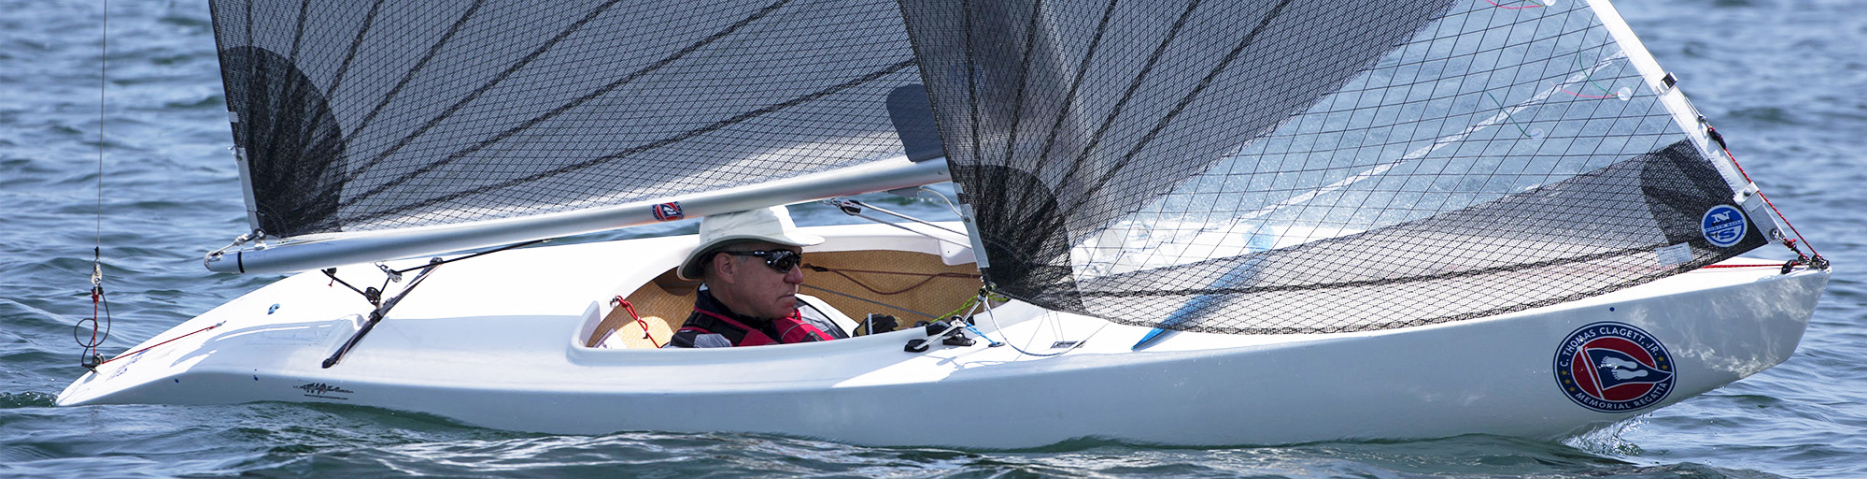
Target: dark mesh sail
<point>1288,166</point>
<point>1263,166</point>
<point>359,115</point>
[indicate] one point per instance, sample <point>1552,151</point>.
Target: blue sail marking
<point>1240,275</point>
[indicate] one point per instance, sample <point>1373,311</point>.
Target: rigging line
<point>866,300</point>
<point>906,217</point>
<point>1121,104</point>
<point>1443,142</point>
<point>986,304</point>
<point>376,316</point>
<point>907,229</point>
<point>740,118</point>
<point>1179,107</point>
<point>89,354</point>
<point>410,74</point>
<point>103,85</point>
<point>561,109</point>
<point>963,307</point>
<point>925,277</point>
<point>471,256</point>
<point>449,112</point>
<point>1713,133</point>
<point>630,307</point>
<point>153,346</point>
<point>942,196</point>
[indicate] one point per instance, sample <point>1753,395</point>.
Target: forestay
<point>1316,166</point>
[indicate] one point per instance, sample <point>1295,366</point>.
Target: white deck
<point>497,342</point>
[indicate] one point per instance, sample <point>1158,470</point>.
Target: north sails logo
<point>1723,225</point>
<point>1613,367</point>
<point>323,391</point>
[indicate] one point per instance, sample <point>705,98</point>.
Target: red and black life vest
<point>711,317</point>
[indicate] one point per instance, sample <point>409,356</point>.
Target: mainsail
<point>1276,166</point>
<point>361,117</point>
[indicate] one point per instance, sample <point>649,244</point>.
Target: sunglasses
<point>778,259</point>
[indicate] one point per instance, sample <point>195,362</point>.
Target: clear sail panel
<point>1405,141</point>
<point>1309,166</point>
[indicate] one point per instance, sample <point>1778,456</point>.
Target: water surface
<point>1783,79</point>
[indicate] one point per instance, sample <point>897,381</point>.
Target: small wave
<point>1768,115</point>
<point>27,399</point>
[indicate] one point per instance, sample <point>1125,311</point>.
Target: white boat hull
<point>499,342</point>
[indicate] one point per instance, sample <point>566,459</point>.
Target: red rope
<point>97,295</point>
<point>1713,132</point>
<point>152,346</point>
<point>624,304</point>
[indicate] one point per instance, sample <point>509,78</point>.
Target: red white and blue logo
<point>669,211</point>
<point>1613,367</point>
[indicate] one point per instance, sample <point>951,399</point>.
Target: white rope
<point>985,302</point>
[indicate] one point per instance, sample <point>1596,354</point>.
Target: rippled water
<point>1784,80</point>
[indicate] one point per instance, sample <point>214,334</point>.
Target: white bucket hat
<point>771,225</point>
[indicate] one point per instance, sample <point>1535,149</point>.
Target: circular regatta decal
<point>1723,225</point>
<point>1613,367</point>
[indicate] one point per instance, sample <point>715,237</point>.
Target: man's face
<point>748,286</point>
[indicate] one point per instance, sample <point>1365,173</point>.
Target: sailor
<point>750,265</point>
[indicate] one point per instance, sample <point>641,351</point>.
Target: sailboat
<point>1179,222</point>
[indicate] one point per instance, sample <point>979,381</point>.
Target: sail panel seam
<point>1180,106</point>
<point>343,69</point>
<point>652,145</point>
<point>1127,95</point>
<point>1388,281</point>
<point>462,103</point>
<point>410,75</point>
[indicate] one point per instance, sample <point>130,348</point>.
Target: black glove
<point>877,323</point>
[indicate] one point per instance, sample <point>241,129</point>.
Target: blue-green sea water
<point>1785,80</point>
